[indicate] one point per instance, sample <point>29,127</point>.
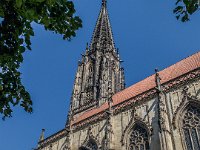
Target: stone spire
<point>99,73</point>
<point>102,35</point>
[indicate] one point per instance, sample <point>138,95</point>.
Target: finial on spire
<point>104,2</point>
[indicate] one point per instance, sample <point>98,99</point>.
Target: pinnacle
<point>95,81</point>
<point>102,34</point>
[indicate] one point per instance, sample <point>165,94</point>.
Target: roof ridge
<point>181,60</point>
<point>163,69</point>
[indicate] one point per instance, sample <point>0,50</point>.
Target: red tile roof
<point>90,113</point>
<point>180,68</point>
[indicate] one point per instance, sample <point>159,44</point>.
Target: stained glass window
<point>138,139</point>
<point>191,128</point>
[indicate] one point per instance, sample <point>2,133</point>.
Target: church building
<point>161,112</point>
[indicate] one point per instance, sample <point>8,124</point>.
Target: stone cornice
<point>137,100</point>
<point>167,86</point>
<point>152,92</point>
<point>181,80</point>
<point>91,103</point>
<point>60,134</point>
<point>97,117</point>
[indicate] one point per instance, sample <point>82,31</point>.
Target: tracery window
<point>138,139</point>
<point>191,128</point>
<point>91,145</point>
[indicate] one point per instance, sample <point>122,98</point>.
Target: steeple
<point>99,74</point>
<point>102,35</point>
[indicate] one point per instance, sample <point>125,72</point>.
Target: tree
<point>15,32</point>
<point>185,8</point>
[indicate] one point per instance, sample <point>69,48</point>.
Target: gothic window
<point>91,145</point>
<point>138,139</point>
<point>191,128</point>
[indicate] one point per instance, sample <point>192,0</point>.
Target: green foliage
<point>15,33</point>
<point>186,8</point>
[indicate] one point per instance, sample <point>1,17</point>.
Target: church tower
<point>99,73</point>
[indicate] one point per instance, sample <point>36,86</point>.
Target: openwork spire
<point>102,35</point>
<point>99,73</point>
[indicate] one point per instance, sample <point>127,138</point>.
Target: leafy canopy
<point>185,8</point>
<point>16,30</point>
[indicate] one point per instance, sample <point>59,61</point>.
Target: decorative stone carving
<point>90,142</point>
<point>95,75</point>
<point>140,99</point>
<point>133,131</point>
<point>52,139</point>
<point>187,99</point>
<point>191,127</point>
<point>138,139</point>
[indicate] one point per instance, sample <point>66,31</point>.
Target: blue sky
<point>147,34</point>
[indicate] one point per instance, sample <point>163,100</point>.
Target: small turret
<point>42,135</point>
<point>99,74</point>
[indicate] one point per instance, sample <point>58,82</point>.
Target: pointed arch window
<point>191,127</point>
<point>91,145</point>
<point>138,139</point>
